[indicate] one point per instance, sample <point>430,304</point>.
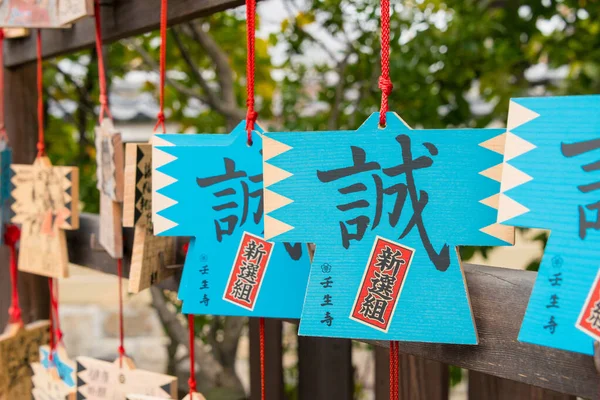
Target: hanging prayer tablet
<point>549,181</point>
<point>5,187</point>
<point>19,347</point>
<point>43,14</point>
<point>210,187</point>
<point>99,380</point>
<point>386,208</point>
<point>46,202</point>
<point>109,171</point>
<point>151,254</point>
<point>54,379</point>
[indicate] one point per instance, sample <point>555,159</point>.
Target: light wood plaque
<point>19,347</point>
<point>54,380</point>
<point>109,172</point>
<point>150,254</point>
<point>100,380</point>
<point>46,202</point>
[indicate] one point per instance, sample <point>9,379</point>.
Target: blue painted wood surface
<point>182,207</point>
<point>5,187</point>
<point>552,146</point>
<point>307,202</point>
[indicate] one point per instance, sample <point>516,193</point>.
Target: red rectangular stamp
<point>382,284</point>
<point>589,319</point>
<point>248,271</point>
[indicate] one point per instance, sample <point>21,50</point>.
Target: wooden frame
<point>499,296</point>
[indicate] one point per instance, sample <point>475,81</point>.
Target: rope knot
<point>12,234</point>
<point>192,384</point>
<point>14,311</point>
<point>386,86</point>
<point>121,350</point>
<point>251,117</point>
<point>103,99</point>
<point>41,148</point>
<point>160,117</point>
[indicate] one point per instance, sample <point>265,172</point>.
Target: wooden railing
<point>500,367</point>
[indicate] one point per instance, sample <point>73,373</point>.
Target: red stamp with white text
<point>589,319</point>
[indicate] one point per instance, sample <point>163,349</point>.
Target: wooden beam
<point>499,297</point>
<point>120,19</point>
<point>483,386</point>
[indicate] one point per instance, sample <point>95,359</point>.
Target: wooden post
<point>483,386</point>
<point>420,379</point>
<point>20,97</point>
<point>325,369</point>
<point>273,359</point>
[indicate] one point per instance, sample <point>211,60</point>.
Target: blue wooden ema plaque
<point>551,181</point>
<point>5,187</point>
<point>210,187</point>
<point>386,209</point>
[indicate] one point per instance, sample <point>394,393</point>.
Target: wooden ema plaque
<point>550,181</point>
<point>109,172</point>
<point>46,202</point>
<point>210,187</point>
<point>151,254</point>
<point>54,380</point>
<point>386,208</point>
<point>43,14</point>
<point>101,380</point>
<point>5,187</point>
<point>19,347</point>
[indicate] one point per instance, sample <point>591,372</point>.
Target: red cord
<point>104,109</point>
<point>251,115</point>
<point>52,343</point>
<point>12,235</point>
<point>121,328</point>
<point>53,287</point>
<point>262,357</point>
<point>385,84</point>
<point>41,147</point>
<point>3,135</point>
<point>192,380</point>
<point>163,66</point>
<point>394,371</point>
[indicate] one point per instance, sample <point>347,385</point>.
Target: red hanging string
<point>41,147</point>
<point>192,380</point>
<point>53,287</point>
<point>12,234</point>
<point>262,357</point>
<point>251,115</point>
<point>52,342</point>
<point>104,109</point>
<point>163,66</point>
<point>3,135</point>
<point>385,84</point>
<point>121,327</point>
<point>394,371</point>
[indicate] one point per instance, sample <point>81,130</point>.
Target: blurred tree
<point>454,63</point>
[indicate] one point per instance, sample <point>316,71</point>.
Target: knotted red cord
<point>104,109</point>
<point>163,66</point>
<point>385,84</point>
<point>3,135</point>
<point>121,327</point>
<point>12,234</point>
<point>41,146</point>
<point>251,115</point>
<point>192,380</point>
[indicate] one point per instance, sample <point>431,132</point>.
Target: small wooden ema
<point>386,208</point>
<point>15,33</point>
<point>99,380</point>
<point>43,13</point>
<point>550,181</point>
<point>46,202</point>
<point>151,254</point>
<point>56,379</point>
<point>109,171</point>
<point>5,187</point>
<point>19,347</point>
<point>210,187</point>
<point>195,396</point>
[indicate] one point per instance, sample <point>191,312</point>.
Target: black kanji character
<point>328,319</point>
<point>373,308</point>
<point>326,301</point>
<point>551,325</point>
<point>327,282</point>
<point>556,280</point>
